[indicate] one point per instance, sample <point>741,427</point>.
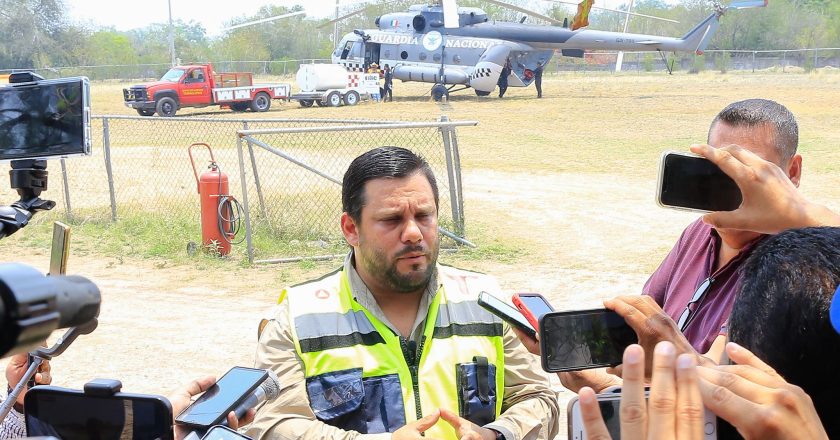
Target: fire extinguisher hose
<point>229,215</point>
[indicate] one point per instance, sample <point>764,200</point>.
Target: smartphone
<point>60,249</point>
<point>220,432</point>
<point>690,182</point>
<point>584,339</point>
<point>507,312</point>
<point>532,306</point>
<point>212,407</point>
<point>610,404</point>
<point>71,414</point>
<point>46,118</point>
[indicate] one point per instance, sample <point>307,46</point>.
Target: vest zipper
<point>413,369</point>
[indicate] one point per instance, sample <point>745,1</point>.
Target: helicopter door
<point>371,53</point>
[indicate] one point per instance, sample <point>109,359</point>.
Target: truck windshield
<point>173,75</point>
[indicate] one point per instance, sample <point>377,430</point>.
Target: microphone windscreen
<point>271,386</point>
<point>834,312</point>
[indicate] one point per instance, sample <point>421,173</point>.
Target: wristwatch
<point>499,435</point>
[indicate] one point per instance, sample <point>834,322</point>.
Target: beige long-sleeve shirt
<point>529,409</point>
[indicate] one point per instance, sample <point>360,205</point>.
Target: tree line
<point>38,34</point>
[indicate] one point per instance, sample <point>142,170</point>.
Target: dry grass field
<point>559,195</point>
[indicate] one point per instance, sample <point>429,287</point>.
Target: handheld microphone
<point>834,311</point>
<point>268,390</point>
<point>33,305</point>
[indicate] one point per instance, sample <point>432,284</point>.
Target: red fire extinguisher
<point>219,222</point>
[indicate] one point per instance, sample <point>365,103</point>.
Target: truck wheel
<point>261,102</point>
<point>321,103</point>
<point>334,99</point>
<point>166,107</point>
<point>306,102</point>
<point>351,98</point>
<point>239,106</point>
<point>144,112</point>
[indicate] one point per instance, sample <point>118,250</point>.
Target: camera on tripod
<point>39,119</point>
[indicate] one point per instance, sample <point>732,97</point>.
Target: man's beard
<point>377,264</point>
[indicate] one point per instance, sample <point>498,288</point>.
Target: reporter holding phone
<point>14,426</point>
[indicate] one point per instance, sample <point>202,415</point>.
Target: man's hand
<point>651,323</point>
<point>757,401</point>
<point>771,202</point>
<point>182,398</point>
<point>465,429</point>
<point>413,431</point>
<point>531,344</point>
<point>598,379</point>
<point>674,410</point>
<point>16,368</point>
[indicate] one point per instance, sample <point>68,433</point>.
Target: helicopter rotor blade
<point>357,12</point>
<point>525,11</point>
<point>450,14</point>
<point>263,20</point>
<point>569,2</point>
<point>748,4</point>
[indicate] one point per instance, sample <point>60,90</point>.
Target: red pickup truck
<point>197,85</point>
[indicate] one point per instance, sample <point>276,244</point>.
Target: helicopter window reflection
<point>403,54</point>
<point>436,57</point>
<point>422,55</point>
<point>457,59</point>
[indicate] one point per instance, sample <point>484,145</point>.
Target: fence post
<point>816,60</point>
<point>256,175</point>
<point>450,174</point>
<point>242,180</point>
<point>456,156</point>
<point>106,145</point>
<point>753,62</point>
<point>66,189</point>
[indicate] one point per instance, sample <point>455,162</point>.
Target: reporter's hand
<point>771,202</point>
<point>675,409</point>
<point>182,398</point>
<point>531,344</point>
<point>598,379</point>
<point>758,402</point>
<point>465,429</point>
<point>651,324</point>
<point>414,430</point>
<point>16,368</point>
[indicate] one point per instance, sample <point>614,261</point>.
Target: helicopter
<point>457,48</point>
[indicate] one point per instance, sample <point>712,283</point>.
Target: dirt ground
<point>585,233</point>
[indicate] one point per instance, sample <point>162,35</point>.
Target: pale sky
<point>131,14</point>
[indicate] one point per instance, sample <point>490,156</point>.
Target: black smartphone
<point>219,432</point>
<point>691,182</point>
<point>71,414</point>
<point>212,407</point>
<point>507,312</point>
<point>47,118</point>
<point>532,306</point>
<point>584,339</point>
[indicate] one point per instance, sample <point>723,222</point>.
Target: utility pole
<point>171,36</point>
<point>620,57</point>
<point>335,26</point>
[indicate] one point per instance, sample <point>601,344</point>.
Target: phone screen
<point>44,118</point>
<point>536,304</point>
<point>212,407</point>
<point>583,339</point>
<point>222,433</point>
<point>70,415</point>
<point>696,183</point>
<point>507,312</point>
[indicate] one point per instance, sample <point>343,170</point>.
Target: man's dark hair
<point>380,163</point>
<point>756,112</point>
<point>782,313</point>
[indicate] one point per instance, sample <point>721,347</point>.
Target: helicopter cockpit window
<point>356,52</point>
<point>348,46</point>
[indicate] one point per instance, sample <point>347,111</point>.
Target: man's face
<point>759,140</point>
<point>396,241</point>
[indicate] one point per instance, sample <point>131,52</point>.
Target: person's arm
<point>289,416</point>
<point>530,409</point>
<point>771,202</point>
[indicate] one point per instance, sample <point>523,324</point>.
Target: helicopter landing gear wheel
<point>481,93</point>
<point>440,92</point>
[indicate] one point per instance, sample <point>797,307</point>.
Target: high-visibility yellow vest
<point>357,375</point>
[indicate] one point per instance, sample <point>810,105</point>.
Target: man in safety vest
<point>394,345</point>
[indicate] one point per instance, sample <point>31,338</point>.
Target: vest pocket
<point>476,383</point>
<point>346,400</point>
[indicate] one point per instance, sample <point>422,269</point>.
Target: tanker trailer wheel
<point>261,102</point>
<point>144,112</point>
<point>166,107</point>
<point>334,99</point>
<point>320,103</point>
<point>306,102</point>
<point>351,98</point>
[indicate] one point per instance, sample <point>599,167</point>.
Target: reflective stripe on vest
<point>336,337</point>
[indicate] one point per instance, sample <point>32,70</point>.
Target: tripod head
<point>29,179</point>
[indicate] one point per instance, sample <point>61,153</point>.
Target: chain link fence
<point>140,174</point>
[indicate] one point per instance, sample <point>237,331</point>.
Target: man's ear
<point>349,229</point>
<point>794,170</point>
